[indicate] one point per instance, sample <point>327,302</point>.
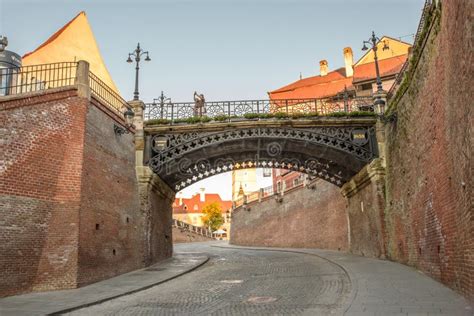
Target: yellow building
<point>73,42</point>
<point>245,179</point>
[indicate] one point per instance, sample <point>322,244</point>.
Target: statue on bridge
<point>199,107</point>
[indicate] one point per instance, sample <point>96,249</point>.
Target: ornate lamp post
<point>379,102</point>
<point>137,53</point>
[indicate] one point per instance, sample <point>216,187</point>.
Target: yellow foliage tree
<point>212,216</point>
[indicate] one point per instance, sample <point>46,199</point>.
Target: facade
<point>243,180</point>
<point>189,210</point>
<point>73,42</point>
<point>353,80</point>
<point>356,79</point>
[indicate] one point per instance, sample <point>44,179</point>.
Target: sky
<point>225,49</point>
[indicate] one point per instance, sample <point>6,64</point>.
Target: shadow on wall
<point>308,217</point>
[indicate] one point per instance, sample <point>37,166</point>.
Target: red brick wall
<point>429,158</point>
<point>70,211</point>
<point>306,219</point>
<point>111,228</point>
<point>40,190</point>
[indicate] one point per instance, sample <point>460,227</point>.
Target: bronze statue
<point>199,107</point>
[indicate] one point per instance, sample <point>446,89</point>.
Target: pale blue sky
<point>226,49</point>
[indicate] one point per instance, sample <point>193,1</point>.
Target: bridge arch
<point>334,150</point>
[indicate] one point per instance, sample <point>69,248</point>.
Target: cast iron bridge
<point>330,139</point>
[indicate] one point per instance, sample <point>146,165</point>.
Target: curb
<point>67,310</point>
<point>352,282</point>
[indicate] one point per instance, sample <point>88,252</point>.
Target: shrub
<point>158,122</point>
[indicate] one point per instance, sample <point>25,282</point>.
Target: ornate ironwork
<point>181,110</point>
<point>174,149</point>
<point>202,170</point>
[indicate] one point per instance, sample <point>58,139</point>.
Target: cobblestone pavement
<point>241,282</point>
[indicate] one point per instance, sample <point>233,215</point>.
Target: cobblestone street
<point>241,282</point>
<point>263,282</point>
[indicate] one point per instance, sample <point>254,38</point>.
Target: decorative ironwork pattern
<point>336,137</point>
<point>198,172</point>
<point>173,149</point>
<point>182,110</point>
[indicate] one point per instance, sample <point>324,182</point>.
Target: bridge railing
<point>267,192</point>
<point>18,80</point>
<point>191,228</point>
<point>175,112</point>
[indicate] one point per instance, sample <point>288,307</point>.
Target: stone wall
<point>181,235</point>
<point>429,211</point>
<point>365,195</point>
<point>305,218</point>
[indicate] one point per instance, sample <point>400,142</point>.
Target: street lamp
<point>373,41</point>
<point>128,115</point>
<point>137,53</point>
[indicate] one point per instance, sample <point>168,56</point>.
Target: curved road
<point>241,282</point>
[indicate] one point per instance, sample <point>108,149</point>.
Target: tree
<point>212,216</point>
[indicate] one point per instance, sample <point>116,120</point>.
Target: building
<point>189,210</point>
<point>351,81</point>
<point>356,79</point>
<point>73,42</point>
<point>244,181</point>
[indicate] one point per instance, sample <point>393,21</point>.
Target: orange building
<point>73,42</point>
<point>356,79</point>
<point>352,80</point>
<point>189,210</point>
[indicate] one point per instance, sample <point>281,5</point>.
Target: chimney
<point>348,61</point>
<point>180,197</point>
<point>323,67</point>
<point>202,195</point>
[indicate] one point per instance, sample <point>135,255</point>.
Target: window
<point>279,186</point>
<point>366,86</point>
<point>196,207</point>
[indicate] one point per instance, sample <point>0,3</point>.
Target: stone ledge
<point>376,170</point>
<point>220,126</point>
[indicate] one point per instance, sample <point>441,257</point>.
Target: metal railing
<point>267,192</point>
<point>25,79</point>
<point>176,111</point>
<point>106,95</point>
<point>191,228</point>
<point>14,81</point>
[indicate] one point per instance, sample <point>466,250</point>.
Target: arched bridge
<point>333,148</point>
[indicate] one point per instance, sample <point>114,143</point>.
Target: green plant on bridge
<point>212,216</point>
<point>250,116</point>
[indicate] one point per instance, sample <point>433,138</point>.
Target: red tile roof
<point>314,87</point>
<point>196,200</point>
<point>335,81</point>
<point>389,66</point>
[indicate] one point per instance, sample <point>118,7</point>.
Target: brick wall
<point>40,190</point>
<point>70,208</point>
<point>306,219</point>
<point>111,229</point>
<point>429,158</point>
